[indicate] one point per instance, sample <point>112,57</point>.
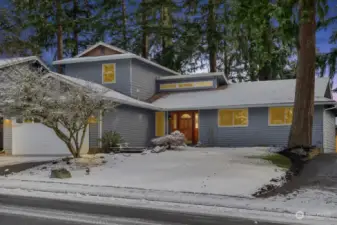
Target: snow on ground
<point>224,171</point>
<point>11,160</point>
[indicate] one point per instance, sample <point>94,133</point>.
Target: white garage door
<point>37,139</point>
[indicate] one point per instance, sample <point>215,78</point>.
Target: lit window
<point>280,115</point>
<point>196,117</point>
<point>168,86</point>
<point>185,85</point>
<point>175,121</point>
<point>92,120</point>
<point>233,117</point>
<point>109,73</point>
<point>160,124</point>
<point>186,116</point>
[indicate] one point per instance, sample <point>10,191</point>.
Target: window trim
<point>102,74</point>
<point>278,125</point>
<point>236,109</point>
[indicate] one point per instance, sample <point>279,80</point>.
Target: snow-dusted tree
<point>60,103</point>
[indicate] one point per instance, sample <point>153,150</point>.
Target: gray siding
<point>7,137</point>
<point>143,79</point>
<point>329,132</point>
<point>257,133</point>
<point>92,71</point>
<point>134,124</point>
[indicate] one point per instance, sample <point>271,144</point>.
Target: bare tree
<point>301,128</point>
<point>60,103</point>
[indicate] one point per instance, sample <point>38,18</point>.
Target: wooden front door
<point>186,123</point>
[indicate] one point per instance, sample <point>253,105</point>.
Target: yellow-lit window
<point>203,84</point>
<point>168,86</point>
<point>233,117</point>
<point>280,115</point>
<point>175,121</point>
<point>160,124</point>
<point>92,120</point>
<point>185,85</point>
<point>109,73</point>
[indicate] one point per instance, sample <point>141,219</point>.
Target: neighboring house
<point>205,107</point>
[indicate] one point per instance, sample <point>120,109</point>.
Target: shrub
<point>110,141</point>
<point>172,140</point>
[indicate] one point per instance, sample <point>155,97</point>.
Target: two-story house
<point>205,107</point>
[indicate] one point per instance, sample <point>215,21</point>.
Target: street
<point>28,210</point>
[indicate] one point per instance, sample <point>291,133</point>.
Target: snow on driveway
<point>12,160</point>
<point>224,171</point>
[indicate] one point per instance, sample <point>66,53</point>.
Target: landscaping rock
<point>60,173</point>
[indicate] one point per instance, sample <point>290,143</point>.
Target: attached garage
<point>35,139</point>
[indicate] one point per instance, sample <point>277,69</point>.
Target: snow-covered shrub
<point>172,140</point>
<point>111,140</point>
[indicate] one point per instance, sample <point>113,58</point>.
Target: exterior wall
<point>143,79</point>
<point>92,71</point>
<point>7,138</point>
<point>257,133</point>
<point>135,125</point>
<point>101,50</point>
<point>329,133</point>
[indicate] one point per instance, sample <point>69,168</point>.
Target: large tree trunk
<point>125,38</point>
<point>59,33</point>
<point>76,30</point>
<point>145,35</point>
<point>211,32</point>
<point>301,128</point>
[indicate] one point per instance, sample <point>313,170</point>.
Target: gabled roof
<point>239,95</point>
<point>101,44</point>
<point>124,55</point>
<point>14,61</point>
<point>106,92</point>
<point>219,75</point>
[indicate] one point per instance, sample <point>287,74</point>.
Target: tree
<point>301,128</point>
<point>61,104</point>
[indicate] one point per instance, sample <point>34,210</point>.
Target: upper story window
<point>182,85</point>
<point>280,115</point>
<point>109,73</point>
<point>233,117</point>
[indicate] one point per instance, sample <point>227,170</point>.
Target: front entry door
<point>186,126</point>
<point>187,123</point>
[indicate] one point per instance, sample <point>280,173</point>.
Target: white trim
<point>113,57</point>
<point>196,75</point>
<point>113,82</point>
<point>235,109</point>
<point>101,44</point>
<point>278,125</point>
<point>15,61</point>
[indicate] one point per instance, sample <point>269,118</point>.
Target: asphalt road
<point>37,211</point>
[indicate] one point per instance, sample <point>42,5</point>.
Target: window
<point>160,124</point>
<point>109,73</point>
<point>92,120</point>
<point>195,84</point>
<point>280,115</point>
<point>233,117</point>
<point>186,116</point>
<point>175,121</point>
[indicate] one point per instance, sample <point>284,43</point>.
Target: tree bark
<point>59,33</point>
<point>301,128</point>
<point>145,35</point>
<point>76,30</point>
<point>211,31</point>
<point>125,38</point>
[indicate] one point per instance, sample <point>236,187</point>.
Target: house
<point>206,107</point>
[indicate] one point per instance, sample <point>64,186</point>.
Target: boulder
<point>60,173</point>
